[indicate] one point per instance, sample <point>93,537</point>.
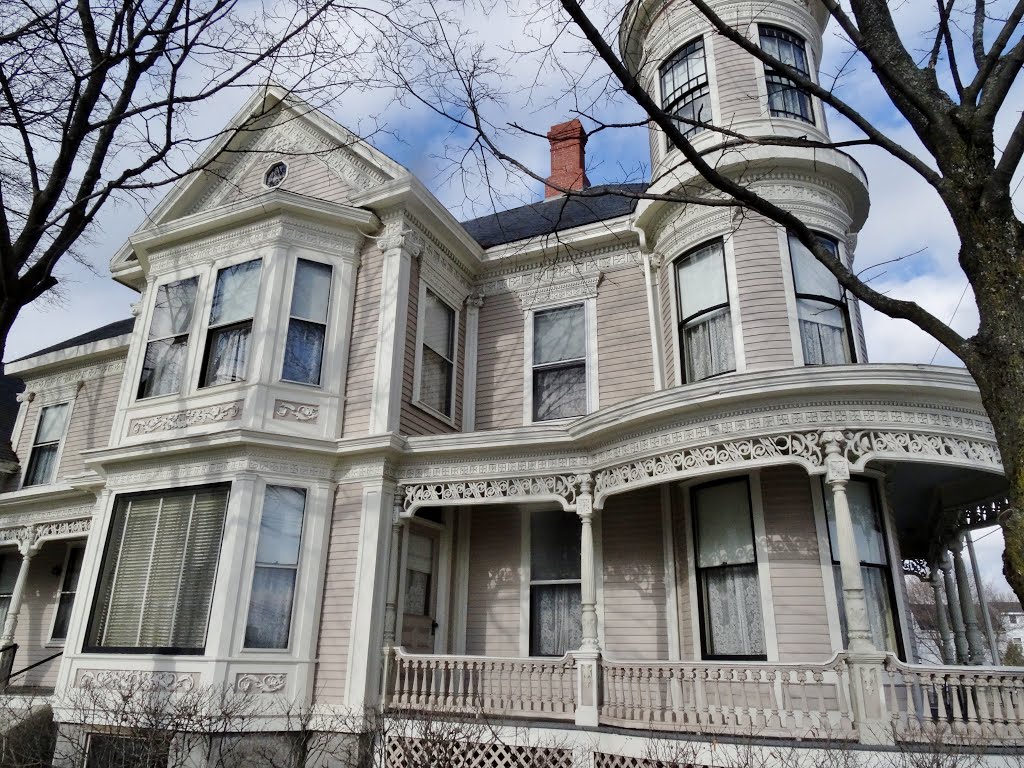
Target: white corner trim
<point>385,406</point>
<point>790,289</point>
<point>460,598</point>
<point>469,365</point>
<point>735,313</point>
<point>593,380</point>
<point>651,269</point>
<point>671,584</point>
<point>764,574</point>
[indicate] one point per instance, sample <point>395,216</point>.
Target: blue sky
<point>906,215</point>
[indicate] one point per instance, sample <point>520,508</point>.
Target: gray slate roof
<point>555,215</point>
<point>108,331</point>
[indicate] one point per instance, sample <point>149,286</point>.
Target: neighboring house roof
<point>556,215</point>
<point>109,331</point>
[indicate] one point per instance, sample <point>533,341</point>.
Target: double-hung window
<point>869,534</point>
<point>559,363</point>
<point>727,580</point>
<point>156,583</point>
<point>42,461</point>
<point>307,324</point>
<point>684,87</point>
<point>555,598</point>
<point>277,565</point>
<point>227,341</point>
<point>163,367</point>
<point>68,590</point>
<point>705,320</point>
<point>437,354</point>
<point>785,99</point>
<point>821,306</point>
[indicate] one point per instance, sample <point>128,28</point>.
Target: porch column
<point>866,663</point>
<point>945,636</point>
<point>975,642</point>
<point>391,607</point>
<point>955,614</point>
<point>986,614</point>
<point>28,550</point>
<point>588,657</point>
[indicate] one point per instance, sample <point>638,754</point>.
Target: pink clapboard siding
<point>492,614</point>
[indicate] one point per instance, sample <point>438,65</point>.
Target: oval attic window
<point>275,174</point>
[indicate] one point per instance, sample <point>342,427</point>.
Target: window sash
<point>732,621</point>
<point>157,598</point>
<point>278,549</point>
<point>785,99</point>
<point>307,323</point>
<point>226,358</point>
<point>684,86</point>
<point>163,367</point>
<point>554,399</point>
<point>227,354</point>
<point>436,380</point>
<point>68,590</point>
<point>560,376</point>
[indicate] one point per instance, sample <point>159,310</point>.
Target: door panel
<point>420,599</point>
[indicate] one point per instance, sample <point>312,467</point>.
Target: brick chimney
<point>568,155</point>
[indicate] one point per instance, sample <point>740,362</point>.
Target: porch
<point>807,638</point>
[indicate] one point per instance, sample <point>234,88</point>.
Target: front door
<point>418,623</point>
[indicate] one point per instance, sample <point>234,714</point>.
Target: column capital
<point>585,499</point>
<point>837,468</point>
<point>474,301</point>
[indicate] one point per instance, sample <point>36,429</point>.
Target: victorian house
<point>595,466</point>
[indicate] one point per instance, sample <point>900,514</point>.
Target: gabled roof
<point>108,331</point>
<point>556,215</point>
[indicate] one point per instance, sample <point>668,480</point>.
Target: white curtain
<point>556,619</point>
<point>229,355</point>
<point>312,291</point>
<point>708,343</point>
<point>733,611</point>
<point>163,367</point>
<point>701,280</point>
<point>822,333</point>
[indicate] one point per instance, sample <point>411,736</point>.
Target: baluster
<point>956,705</point>
<point>970,705</point>
<point>778,715</point>
<point>765,696</point>
<point>663,694</point>
<point>646,695</point>
<point>1013,698</point>
<point>805,720</point>
<point>910,687</point>
<point>981,693</point>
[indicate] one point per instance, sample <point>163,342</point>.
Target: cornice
<point>524,278</point>
<point>53,382</point>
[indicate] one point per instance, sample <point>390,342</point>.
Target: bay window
<point>307,324</point>
<point>156,581</point>
<point>727,578</point>
<point>42,461</point>
<point>821,306</point>
<point>437,354</point>
<point>872,548</point>
<point>163,366</point>
<point>785,99</point>
<point>684,87</point>
<point>556,624</point>
<point>559,363</point>
<point>68,590</point>
<point>705,325</point>
<point>227,342</point>
<point>277,565</point>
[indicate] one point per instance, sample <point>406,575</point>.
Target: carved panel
<point>286,410</point>
<point>260,682</point>
<point>136,680</point>
<point>190,417</point>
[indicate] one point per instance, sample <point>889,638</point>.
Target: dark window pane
<point>559,393</point>
<point>436,374</point>
<point>121,752</point>
<point>304,352</point>
<point>554,545</point>
<point>60,624</point>
<point>42,465</point>
<point>270,608</point>
<point>163,367</point>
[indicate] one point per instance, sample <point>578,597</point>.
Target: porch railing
<point>966,704</point>
<point>763,699</point>
<point>530,687</point>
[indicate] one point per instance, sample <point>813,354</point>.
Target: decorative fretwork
<point>413,752</point>
<point>918,568</point>
<point>982,513</point>
<point>804,447</point>
<point>866,445</point>
<point>560,488</point>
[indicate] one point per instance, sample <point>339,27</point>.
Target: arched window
<point>684,87</point>
<point>821,307</point>
<point>785,99</point>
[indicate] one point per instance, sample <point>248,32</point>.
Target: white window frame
<point>300,566</point>
<point>453,302</point>
<point>817,109</point>
<point>328,324</point>
<point>70,402</point>
<point>72,546</point>
<point>591,361</point>
<point>690,132</point>
<point>144,340</point>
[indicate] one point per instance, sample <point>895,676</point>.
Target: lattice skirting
<point>605,760</point>
<point>448,753</point>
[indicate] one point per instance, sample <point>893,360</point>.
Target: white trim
<point>524,582</point>
<point>460,596</point>
<point>764,575</point>
<point>828,580</point>
<point>673,300</point>
<point>596,523</point>
<point>711,68</point>
<point>590,333</point>
<point>386,404</point>
<point>470,355</point>
<point>70,402</point>
<point>443,584</point>
<point>426,285</point>
<point>651,288</point>
<point>668,553</point>
<point>263,176</point>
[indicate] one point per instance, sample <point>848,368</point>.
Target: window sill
<point>449,420</point>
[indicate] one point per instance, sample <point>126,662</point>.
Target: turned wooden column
<point>28,549</point>
<point>588,658</point>
<point>391,607</point>
<point>955,614</point>
<point>975,642</point>
<point>947,648</point>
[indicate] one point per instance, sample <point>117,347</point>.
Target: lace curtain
<point>556,623</point>
<point>733,611</point>
<point>708,345</point>
<point>229,355</point>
